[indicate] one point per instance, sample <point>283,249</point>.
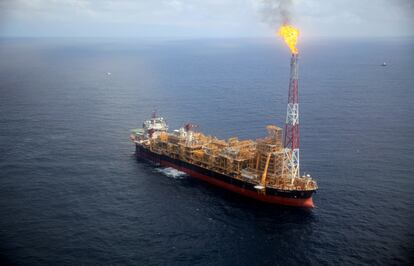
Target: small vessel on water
<point>384,64</point>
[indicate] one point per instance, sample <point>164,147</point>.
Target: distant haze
<point>199,19</point>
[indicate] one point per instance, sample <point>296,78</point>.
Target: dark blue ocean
<point>72,192</point>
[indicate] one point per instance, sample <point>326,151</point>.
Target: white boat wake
<point>172,172</point>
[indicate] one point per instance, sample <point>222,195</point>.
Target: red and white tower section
<point>291,137</point>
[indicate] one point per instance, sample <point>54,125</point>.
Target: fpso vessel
<point>251,168</point>
<point>265,169</point>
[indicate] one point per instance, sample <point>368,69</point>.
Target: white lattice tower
<point>291,137</point>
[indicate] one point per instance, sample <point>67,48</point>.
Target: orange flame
<point>290,34</point>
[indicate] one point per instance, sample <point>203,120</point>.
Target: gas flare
<point>290,34</point>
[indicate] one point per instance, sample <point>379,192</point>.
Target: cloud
<point>200,18</point>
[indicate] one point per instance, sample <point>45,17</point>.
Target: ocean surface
<point>72,192</point>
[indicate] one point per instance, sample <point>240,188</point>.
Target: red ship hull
<point>287,198</point>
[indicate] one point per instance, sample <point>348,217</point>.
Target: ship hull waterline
<point>301,199</point>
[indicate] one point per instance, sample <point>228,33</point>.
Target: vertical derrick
<point>291,137</point>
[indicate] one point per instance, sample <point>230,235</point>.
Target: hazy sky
<point>202,18</point>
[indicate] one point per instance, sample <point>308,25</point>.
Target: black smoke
<point>276,12</point>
